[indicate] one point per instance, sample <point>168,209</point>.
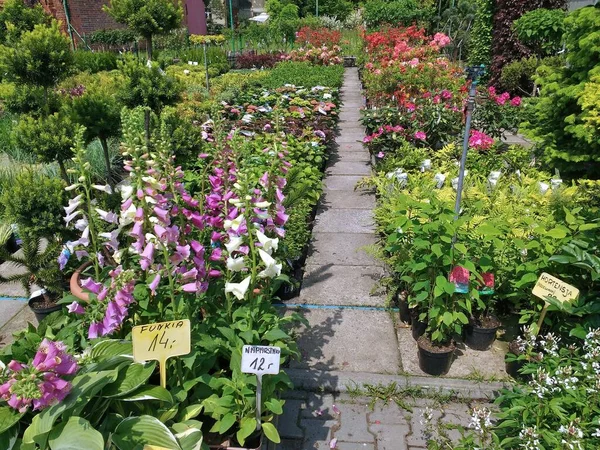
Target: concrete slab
<point>349,341</point>
<point>17,323</point>
<point>341,182</point>
<point>468,363</point>
<point>348,200</point>
<point>352,147</point>
<point>360,155</point>
<point>349,168</point>
<point>344,221</point>
<point>350,137</point>
<point>323,284</point>
<point>342,249</point>
<point>9,308</point>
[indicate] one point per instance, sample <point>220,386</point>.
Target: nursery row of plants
<point>204,213</point>
<point>458,275</point>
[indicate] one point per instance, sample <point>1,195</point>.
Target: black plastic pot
<point>418,327</point>
<point>479,338</point>
<point>403,307</point>
<point>435,363</point>
<point>41,313</point>
<point>288,291</point>
<point>513,367</point>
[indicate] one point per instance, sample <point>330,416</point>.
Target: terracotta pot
<point>75,286</point>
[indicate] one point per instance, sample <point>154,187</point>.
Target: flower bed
<point>207,241</point>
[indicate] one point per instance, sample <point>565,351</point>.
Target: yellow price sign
<point>160,341</point>
<point>549,286</point>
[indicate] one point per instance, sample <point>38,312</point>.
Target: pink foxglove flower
<point>76,308</point>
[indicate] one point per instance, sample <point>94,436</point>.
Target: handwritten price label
<point>549,286</point>
<point>261,359</point>
<point>160,341</point>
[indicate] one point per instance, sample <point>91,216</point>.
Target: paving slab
<point>344,167</point>
<point>348,340</point>
<point>8,309</point>
<point>341,182</point>
<point>360,154</point>
<point>321,286</point>
<point>468,363</point>
<point>337,220</point>
<point>348,200</point>
<point>351,136</point>
<point>351,147</point>
<point>342,249</point>
<point>17,323</point>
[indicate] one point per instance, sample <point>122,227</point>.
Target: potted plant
<point>36,265</point>
<point>480,333</point>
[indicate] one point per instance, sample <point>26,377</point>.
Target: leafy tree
<point>480,42</point>
<point>42,57</point>
<point>17,18</point>
<point>146,17</point>
<point>50,138</point>
<point>566,116</point>
<point>98,110</point>
<point>542,30</point>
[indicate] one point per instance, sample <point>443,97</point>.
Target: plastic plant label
<point>261,359</point>
<point>160,341</point>
<point>549,286</point>
<point>460,277</point>
<point>487,286</point>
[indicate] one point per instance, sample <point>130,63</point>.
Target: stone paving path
<point>352,338</point>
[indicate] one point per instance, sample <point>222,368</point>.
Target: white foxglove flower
<point>104,188</point>
<point>81,224</point>
<point>238,289</point>
<point>107,216</point>
<point>269,245</point>
<point>235,202</point>
<point>236,264</point>
<point>262,205</point>
<point>234,224</point>
<point>73,186</point>
<point>272,269</point>
<point>233,244</point>
<point>72,207</point>
<point>71,216</point>
<point>126,191</point>
<point>128,216</point>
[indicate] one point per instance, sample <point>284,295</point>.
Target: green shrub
<point>92,62</point>
<point>304,74</point>
<point>50,138</point>
<point>541,29</point>
<point>480,43</point>
<point>517,76</point>
<point>34,202</point>
<point>396,12</point>
<point>340,9</point>
<point>118,37</point>
<point>26,99</point>
<point>17,18</point>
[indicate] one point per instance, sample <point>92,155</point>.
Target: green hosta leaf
<point>149,393</point>
<point>275,406</point>
<point>130,379</point>
<point>247,427</point>
<point>226,423</point>
<point>189,412</point>
<point>8,417</point>
<point>112,347</point>
<point>9,438</point>
<point>189,434</point>
<point>75,434</point>
<point>135,432</point>
<point>271,432</point>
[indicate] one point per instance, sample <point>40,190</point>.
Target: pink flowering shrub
<point>480,141</point>
<point>41,382</point>
<point>323,55</point>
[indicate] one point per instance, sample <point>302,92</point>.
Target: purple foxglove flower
<point>190,274</point>
<point>160,232</point>
<point>15,366</point>
<point>215,236</point>
<point>198,248</point>
<point>76,308</point>
<point>162,214</point>
<point>147,256</point>
<point>80,254</point>
<point>109,324</point>
<point>91,285</point>
<point>189,200</point>
<point>102,294</point>
<point>281,217</point>
<point>264,180</point>
<point>111,239</point>
<point>154,284</point>
<point>279,195</point>
<point>172,234</point>
<point>95,330</point>
<point>197,220</point>
<point>191,287</point>
<point>127,204</point>
<point>139,194</point>
<point>183,250</point>
<point>214,273</point>
<point>100,257</point>
<point>216,255</point>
